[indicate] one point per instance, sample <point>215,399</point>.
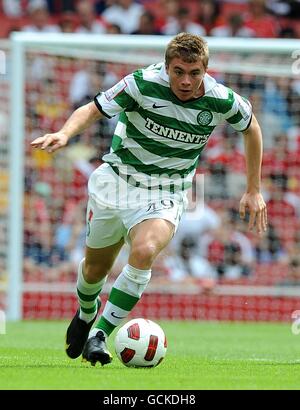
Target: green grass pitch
<point>201,355</point>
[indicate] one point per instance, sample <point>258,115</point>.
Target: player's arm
<point>252,200</point>
<point>79,120</point>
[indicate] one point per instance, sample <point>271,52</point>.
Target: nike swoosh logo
<point>117,317</point>
<point>158,106</point>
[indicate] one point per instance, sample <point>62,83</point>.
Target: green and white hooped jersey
<point>158,138</point>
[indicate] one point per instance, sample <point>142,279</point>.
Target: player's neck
<point>200,92</point>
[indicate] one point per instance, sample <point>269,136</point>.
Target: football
<point>140,343</point>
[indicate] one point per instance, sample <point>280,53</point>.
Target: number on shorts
<point>164,203</point>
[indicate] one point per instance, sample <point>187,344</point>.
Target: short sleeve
<point>240,114</point>
<point>118,98</point>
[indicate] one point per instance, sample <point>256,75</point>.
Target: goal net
<point>214,268</point>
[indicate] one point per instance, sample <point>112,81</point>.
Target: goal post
<point>267,58</point>
<point>16,172</point>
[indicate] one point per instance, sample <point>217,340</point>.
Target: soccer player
<point>166,115</point>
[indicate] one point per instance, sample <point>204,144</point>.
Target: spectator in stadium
<point>182,22</point>
<point>195,223</point>
<point>181,260</point>
<point>67,22</point>
<point>260,20</point>
<point>147,25</point>
<point>57,7</point>
<point>101,5</point>
<point>290,9</point>
<point>269,248</point>
<point>187,264</point>
<point>39,16</point>
<point>293,262</point>
<point>276,160</point>
<point>229,251</point>
<point>279,207</point>
<point>282,212</point>
<point>167,113</point>
<point>226,165</point>
<point>81,83</point>
<point>209,15</point>
<point>70,234</point>
<point>165,11</point>
<point>234,27</point>
<point>88,21</point>
<point>273,110</point>
<point>13,8</point>
<point>126,14</point>
<point>114,29</point>
<point>275,102</point>
<point>38,233</point>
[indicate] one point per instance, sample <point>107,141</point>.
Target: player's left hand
<point>256,206</point>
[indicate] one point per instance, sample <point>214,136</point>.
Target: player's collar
<point>209,81</point>
<point>163,73</point>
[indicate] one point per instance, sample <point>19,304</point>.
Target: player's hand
<point>50,142</point>
<point>255,205</point>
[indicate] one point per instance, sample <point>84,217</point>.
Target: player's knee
<point>144,252</point>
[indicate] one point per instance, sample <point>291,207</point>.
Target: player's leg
<point>104,239</point>
<point>149,225</point>
<point>148,239</point>
<point>92,273</point>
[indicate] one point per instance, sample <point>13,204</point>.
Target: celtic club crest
<point>204,117</point>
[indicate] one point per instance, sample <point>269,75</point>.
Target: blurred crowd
<point>235,18</point>
<point>212,243</point>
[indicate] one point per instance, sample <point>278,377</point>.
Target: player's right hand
<point>50,142</point>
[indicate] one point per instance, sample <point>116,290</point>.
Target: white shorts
<point>114,207</point>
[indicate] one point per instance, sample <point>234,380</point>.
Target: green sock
<point>125,294</point>
<point>87,294</point>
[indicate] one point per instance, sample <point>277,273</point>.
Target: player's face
<point>186,78</point>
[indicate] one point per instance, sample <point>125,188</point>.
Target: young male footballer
<point>166,114</point>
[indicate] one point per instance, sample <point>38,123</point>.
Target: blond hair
<point>188,47</point>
